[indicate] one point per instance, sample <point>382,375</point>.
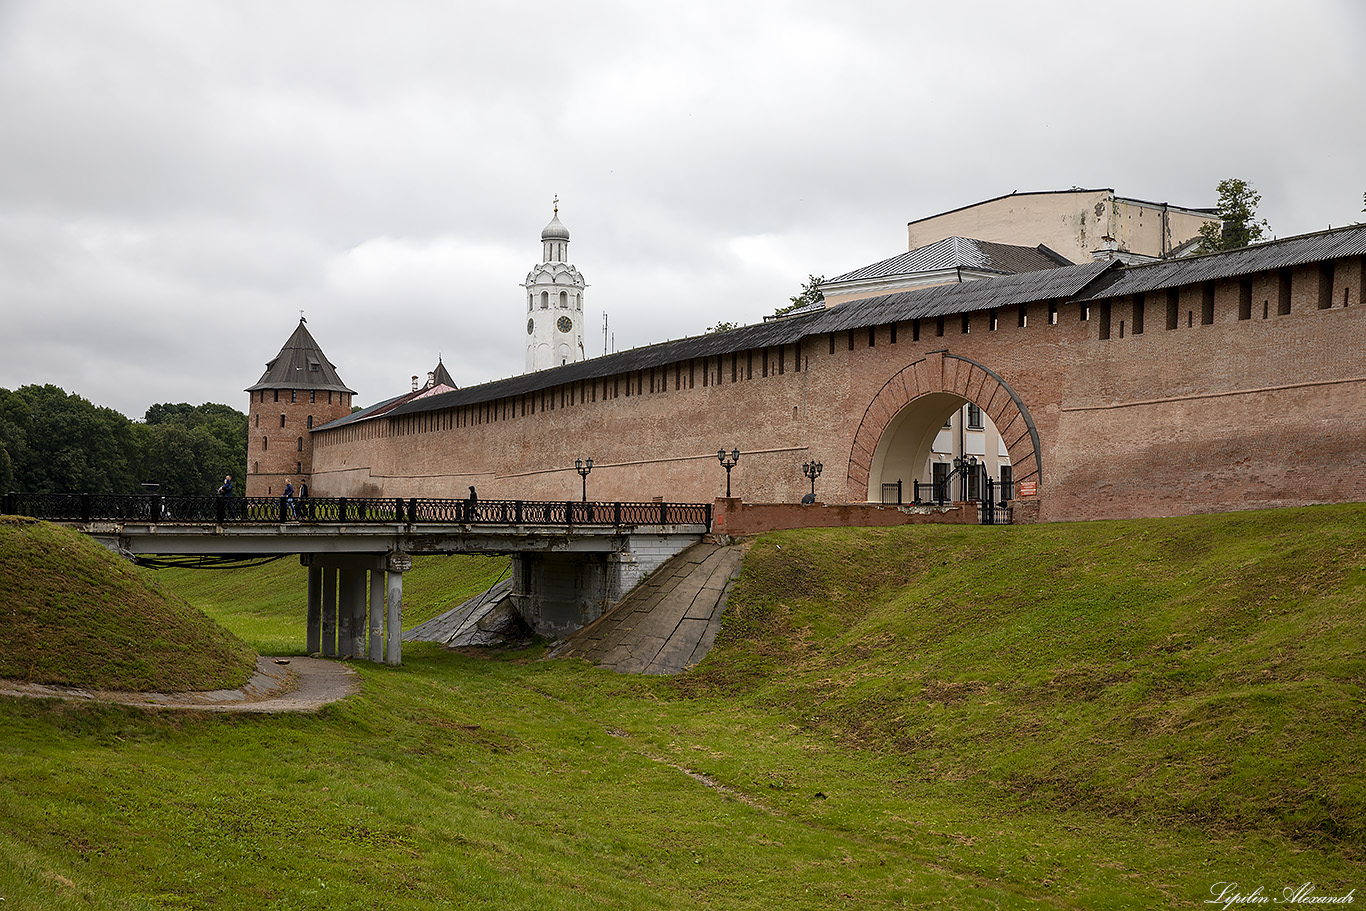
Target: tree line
<point>55,442</point>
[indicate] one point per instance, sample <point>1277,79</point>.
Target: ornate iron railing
<point>85,507</point>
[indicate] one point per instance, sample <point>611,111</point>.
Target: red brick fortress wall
<point>1107,411</point>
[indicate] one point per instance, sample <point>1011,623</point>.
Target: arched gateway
<point>900,423</point>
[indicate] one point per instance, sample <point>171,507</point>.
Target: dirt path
<point>279,685</point>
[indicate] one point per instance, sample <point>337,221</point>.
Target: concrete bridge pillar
<point>315,610</point>
<point>329,612</point>
<point>353,614</point>
<point>396,565</point>
<point>378,586</point>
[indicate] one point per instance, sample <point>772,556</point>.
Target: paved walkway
<point>279,685</point>
<point>666,624</point>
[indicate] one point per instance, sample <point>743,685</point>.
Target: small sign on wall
<point>1028,488</point>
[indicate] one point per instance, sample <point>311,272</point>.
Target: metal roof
<point>1279,254</point>
<point>959,252</point>
<point>1006,291</point>
<point>964,297</point>
<point>1088,281</point>
<point>301,364</point>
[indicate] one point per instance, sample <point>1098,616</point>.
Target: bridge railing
<point>84,507</point>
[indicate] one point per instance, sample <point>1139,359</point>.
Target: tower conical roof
<point>301,364</point>
<point>441,376</point>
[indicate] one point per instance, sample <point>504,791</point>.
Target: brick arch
<point>940,371</point>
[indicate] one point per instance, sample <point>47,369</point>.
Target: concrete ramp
<point>486,619</point>
<point>667,623</point>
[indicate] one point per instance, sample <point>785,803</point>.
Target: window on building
<point>312,396</point>
<point>298,467</point>
<point>277,394</point>
<point>310,422</point>
<point>1007,482</point>
<point>282,420</point>
<point>1052,314</point>
<point>974,417</point>
<point>265,442</point>
<point>939,474</point>
<point>1207,304</point>
<point>1173,308</point>
<point>301,444</point>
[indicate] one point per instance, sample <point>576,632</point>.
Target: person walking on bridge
<point>225,491</point>
<point>289,499</point>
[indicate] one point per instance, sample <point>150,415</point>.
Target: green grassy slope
<point>75,614</point>
<point>1207,670</point>
<point>1106,715</point>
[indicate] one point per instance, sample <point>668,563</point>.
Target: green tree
<point>188,448</point>
<point>1238,225</point>
<point>72,445</point>
<point>810,294</point>
<point>724,326</point>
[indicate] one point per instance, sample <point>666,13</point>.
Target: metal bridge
<point>571,559</point>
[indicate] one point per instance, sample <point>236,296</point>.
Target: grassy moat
<point>1098,715</point>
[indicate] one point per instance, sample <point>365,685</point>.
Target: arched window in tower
<point>301,444</point>
<point>578,301</point>
<point>545,300</point>
<point>564,300</point>
<point>265,442</point>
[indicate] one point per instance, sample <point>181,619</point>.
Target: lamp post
<point>728,460</point>
<point>813,471</point>
<point>583,468</point>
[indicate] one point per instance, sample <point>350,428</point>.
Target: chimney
<point>415,384</point>
<point>431,378</point>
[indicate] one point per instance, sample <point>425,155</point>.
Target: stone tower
<point>300,390</point>
<point>554,303</point>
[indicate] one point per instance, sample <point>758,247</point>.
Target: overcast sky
<point>179,179</point>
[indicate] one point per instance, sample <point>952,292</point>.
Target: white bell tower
<point>554,303</point>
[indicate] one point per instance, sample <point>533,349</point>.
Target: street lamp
<point>728,460</point>
<point>583,468</point>
<point>813,471</point>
